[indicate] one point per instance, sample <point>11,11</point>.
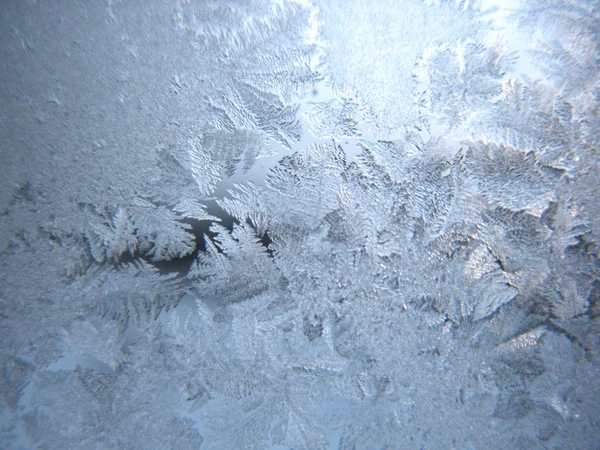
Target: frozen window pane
<point>300,225</point>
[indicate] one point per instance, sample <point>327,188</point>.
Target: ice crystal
<point>282,224</point>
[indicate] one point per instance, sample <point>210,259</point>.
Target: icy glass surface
<point>320,224</point>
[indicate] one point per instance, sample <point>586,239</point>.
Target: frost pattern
<point>300,226</point>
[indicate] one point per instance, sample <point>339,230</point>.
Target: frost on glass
<point>296,225</point>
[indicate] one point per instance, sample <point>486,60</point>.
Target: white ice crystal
<point>300,225</point>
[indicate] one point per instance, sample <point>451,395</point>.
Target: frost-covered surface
<point>293,225</point>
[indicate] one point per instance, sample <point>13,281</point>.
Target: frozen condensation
<point>285,224</point>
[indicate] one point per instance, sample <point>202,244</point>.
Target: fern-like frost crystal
<point>300,225</point>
